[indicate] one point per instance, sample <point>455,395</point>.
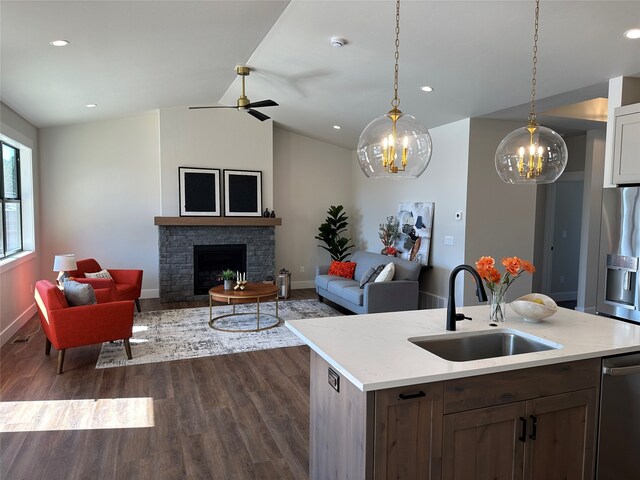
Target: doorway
<point>562,238</point>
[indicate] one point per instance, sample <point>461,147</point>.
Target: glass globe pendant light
<point>533,154</point>
<point>395,145</point>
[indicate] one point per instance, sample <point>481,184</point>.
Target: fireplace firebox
<point>210,260</point>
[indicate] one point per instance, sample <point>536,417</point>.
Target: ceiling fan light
<point>531,158</point>
<point>411,137</point>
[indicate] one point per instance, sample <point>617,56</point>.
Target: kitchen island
<point>382,407</point>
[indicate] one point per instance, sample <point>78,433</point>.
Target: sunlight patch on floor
<point>88,414</point>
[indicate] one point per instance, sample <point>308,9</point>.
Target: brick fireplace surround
<point>178,235</point>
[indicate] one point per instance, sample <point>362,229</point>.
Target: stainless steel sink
<point>479,345</point>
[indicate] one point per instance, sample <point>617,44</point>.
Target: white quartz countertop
<point>373,352</point>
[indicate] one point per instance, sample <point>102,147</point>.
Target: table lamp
<point>63,264</point>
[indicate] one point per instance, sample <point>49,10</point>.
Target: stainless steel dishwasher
<point>619,434</point>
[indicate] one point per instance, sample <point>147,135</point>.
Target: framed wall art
<point>416,221</point>
<point>199,192</point>
<point>242,193</point>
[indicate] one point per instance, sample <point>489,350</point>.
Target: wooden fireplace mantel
<point>218,221</point>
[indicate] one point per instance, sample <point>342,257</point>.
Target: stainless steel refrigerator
<point>619,297</point>
<point>619,275</point>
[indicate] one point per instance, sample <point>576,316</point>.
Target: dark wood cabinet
<point>544,438</point>
<point>408,426</point>
<point>534,430</point>
<point>530,424</point>
<point>484,443</point>
<point>564,444</point>
<point>394,433</point>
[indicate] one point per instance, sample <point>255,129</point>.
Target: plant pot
<point>228,284</point>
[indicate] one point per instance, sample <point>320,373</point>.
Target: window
<point>11,225</point>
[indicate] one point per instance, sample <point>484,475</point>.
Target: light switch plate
<point>448,239</point>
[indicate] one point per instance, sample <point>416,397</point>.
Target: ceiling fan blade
<point>263,103</point>
<point>213,106</point>
<point>259,115</point>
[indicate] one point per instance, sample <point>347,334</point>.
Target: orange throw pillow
<point>342,269</point>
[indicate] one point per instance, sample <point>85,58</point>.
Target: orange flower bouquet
<point>498,284</point>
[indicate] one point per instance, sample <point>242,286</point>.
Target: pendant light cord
<point>532,113</point>
<point>396,101</point>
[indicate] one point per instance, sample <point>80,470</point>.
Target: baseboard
<point>429,301</point>
<point>150,293</point>
<point>303,284</point>
<point>17,324</point>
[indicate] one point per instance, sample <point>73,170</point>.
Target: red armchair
<point>67,327</point>
<point>128,282</point>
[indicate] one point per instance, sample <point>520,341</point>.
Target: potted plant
<point>330,233</point>
<point>389,233</point>
<point>228,276</point>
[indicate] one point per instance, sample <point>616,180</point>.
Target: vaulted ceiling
<point>130,57</point>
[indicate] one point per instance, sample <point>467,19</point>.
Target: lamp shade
<point>531,155</point>
<point>64,263</point>
<point>410,136</point>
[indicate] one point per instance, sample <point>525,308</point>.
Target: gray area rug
<point>165,335</point>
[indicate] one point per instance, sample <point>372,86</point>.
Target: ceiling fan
<point>243,102</point>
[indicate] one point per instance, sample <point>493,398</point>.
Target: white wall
<point>500,217</point>
<point>101,189</point>
<point>212,138</point>
<point>309,177</point>
<point>17,276</point>
<point>443,182</point>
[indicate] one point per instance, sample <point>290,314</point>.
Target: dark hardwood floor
<point>239,416</point>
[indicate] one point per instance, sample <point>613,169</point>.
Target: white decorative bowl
<point>533,311</point>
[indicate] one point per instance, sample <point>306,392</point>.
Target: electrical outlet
<point>301,268</point>
<point>334,380</point>
<point>448,239</point>
<point>561,278</point>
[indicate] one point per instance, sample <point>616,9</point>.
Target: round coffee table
<point>253,292</point>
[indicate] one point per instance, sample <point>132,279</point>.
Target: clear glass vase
<point>497,307</point>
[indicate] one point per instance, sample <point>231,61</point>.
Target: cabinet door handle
<point>523,437</point>
<point>409,396</point>
<point>617,371</point>
<point>534,427</point>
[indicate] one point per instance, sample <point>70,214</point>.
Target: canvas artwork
<point>242,193</point>
<point>199,190</point>
<point>416,220</point>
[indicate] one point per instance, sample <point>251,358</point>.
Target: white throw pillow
<point>100,274</point>
<point>386,275</point>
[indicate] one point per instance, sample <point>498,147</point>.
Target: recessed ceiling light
<point>426,88</point>
<point>91,105</point>
<point>59,43</point>
<point>337,127</point>
<point>633,34</point>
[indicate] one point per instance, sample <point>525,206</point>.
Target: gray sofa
<point>399,294</point>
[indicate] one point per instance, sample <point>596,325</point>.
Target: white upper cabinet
<point>626,149</point>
